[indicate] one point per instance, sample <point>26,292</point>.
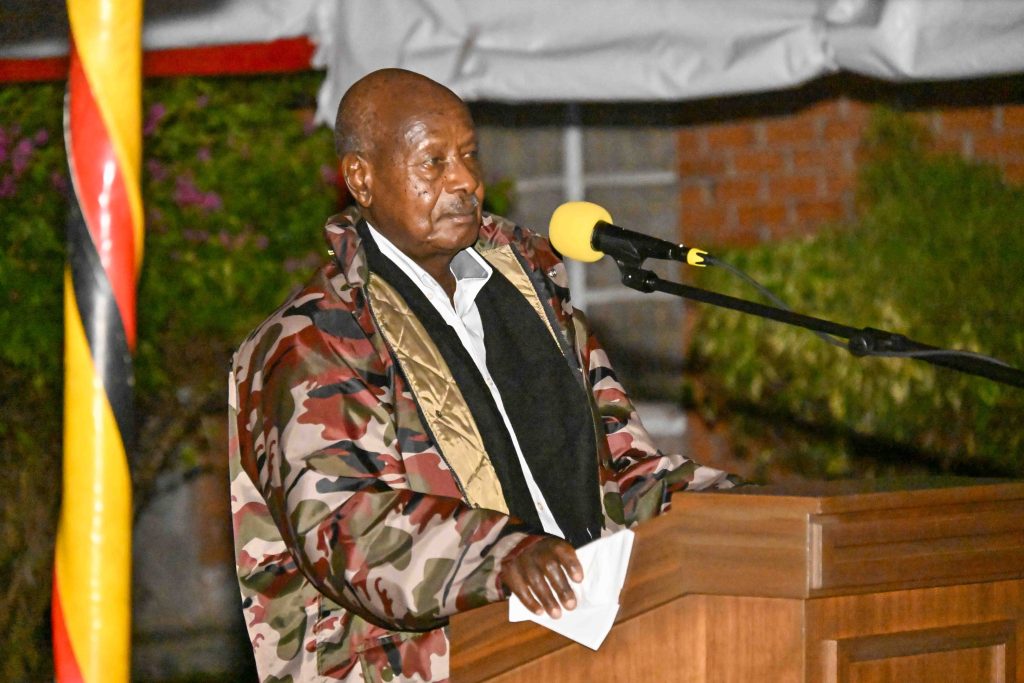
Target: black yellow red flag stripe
<point>102,130</point>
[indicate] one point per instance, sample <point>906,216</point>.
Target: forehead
<point>444,121</point>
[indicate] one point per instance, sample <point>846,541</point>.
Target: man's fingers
<point>536,575</point>
<point>539,577</point>
<point>567,555</point>
<point>515,583</point>
<point>554,572</point>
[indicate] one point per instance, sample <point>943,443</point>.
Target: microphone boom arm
<point>860,342</point>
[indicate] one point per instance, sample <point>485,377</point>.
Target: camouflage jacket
<point>364,514</point>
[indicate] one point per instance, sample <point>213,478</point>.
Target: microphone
<point>584,231</point>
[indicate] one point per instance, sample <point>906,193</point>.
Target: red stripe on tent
<point>102,196</point>
<point>279,56</point>
<point>65,665</point>
<point>22,70</point>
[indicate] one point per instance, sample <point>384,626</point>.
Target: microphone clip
<point>632,275</point>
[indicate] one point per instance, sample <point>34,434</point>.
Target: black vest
<point>547,406</point>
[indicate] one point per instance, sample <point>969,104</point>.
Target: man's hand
<point>537,576</point>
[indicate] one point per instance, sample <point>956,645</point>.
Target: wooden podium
<point>904,581</point>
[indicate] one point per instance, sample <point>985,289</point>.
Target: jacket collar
<point>346,245</point>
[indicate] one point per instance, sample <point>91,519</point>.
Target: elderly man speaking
<point>428,425</point>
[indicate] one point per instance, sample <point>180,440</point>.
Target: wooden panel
<point>740,546</point>
<point>972,652</point>
<point>694,639</point>
<point>829,538</point>
<point>979,665</point>
<point>753,639</point>
<point>920,546</point>
<point>663,644</point>
<point>974,622</point>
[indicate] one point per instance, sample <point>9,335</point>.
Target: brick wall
<point>763,167</point>
<point>760,168</point>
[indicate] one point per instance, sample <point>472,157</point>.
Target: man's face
<point>427,189</point>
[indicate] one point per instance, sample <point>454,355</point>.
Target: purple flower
<point>21,155</point>
<point>203,154</point>
<point>310,260</point>
<point>41,137</point>
<point>156,169</point>
<point>59,181</point>
<point>155,114</point>
<point>187,194</point>
<point>261,242</point>
<point>7,187</point>
<point>211,201</point>
<point>195,236</point>
<point>202,101</point>
<point>329,174</point>
<point>185,191</point>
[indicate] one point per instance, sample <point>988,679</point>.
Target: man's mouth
<point>462,212</point>
<point>469,217</point>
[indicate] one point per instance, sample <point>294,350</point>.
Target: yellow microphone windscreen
<point>572,227</point>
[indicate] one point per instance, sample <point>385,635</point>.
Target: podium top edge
<point>850,494</point>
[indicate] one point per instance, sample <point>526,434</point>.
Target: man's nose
<point>462,175</point>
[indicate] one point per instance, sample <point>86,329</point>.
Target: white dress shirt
<point>471,273</point>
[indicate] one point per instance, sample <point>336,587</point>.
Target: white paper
<point>597,597</point>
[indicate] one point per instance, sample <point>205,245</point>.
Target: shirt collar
<point>470,269</point>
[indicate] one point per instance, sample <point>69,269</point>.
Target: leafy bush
<point>937,256</point>
<point>32,209</point>
<point>237,182</point>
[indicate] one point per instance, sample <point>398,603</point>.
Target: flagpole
<point>91,611</point>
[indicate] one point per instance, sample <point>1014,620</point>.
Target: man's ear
<point>358,177</point>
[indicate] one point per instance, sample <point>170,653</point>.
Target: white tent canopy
<point>665,49</point>
<point>590,50</point>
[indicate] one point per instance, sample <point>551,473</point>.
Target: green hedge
<point>937,254</point>
<point>32,210</point>
<point>236,183</point>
